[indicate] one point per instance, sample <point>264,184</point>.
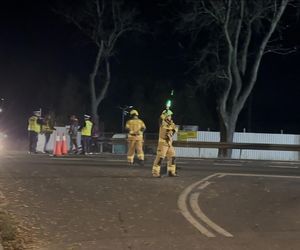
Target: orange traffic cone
<point>64,147</point>
<point>57,147</point>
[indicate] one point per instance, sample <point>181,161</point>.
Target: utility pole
<point>124,113</point>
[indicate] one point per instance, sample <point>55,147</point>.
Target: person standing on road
<point>86,134</point>
<point>47,130</point>
<point>73,132</point>
<point>34,128</point>
<point>95,146</point>
<point>165,145</point>
<point>135,128</point>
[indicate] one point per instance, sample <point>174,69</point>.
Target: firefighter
<point>86,134</point>
<point>34,128</point>
<point>135,128</point>
<point>165,148</point>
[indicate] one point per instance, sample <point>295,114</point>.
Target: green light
<point>168,103</point>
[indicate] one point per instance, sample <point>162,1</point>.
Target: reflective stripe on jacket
<point>166,132</point>
<point>135,127</point>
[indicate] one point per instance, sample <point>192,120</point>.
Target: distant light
<point>1,110</point>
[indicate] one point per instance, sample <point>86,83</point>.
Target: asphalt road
<point>98,202</point>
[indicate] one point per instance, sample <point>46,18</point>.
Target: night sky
<point>40,54</point>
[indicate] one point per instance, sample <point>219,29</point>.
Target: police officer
<point>34,128</point>
<point>86,134</point>
<point>165,148</point>
<point>135,128</point>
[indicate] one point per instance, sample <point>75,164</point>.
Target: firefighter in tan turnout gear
<point>165,148</point>
<point>135,128</point>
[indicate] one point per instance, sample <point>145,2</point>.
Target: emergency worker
<point>165,148</point>
<point>86,134</point>
<point>47,130</point>
<point>34,128</point>
<point>135,128</point>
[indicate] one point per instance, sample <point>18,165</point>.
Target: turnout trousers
<point>164,150</point>
<point>135,145</point>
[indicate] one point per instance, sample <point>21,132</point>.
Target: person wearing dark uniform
<point>73,131</point>
<point>47,130</point>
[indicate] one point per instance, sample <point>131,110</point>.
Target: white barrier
<point>243,153</point>
<point>210,152</point>
<point>50,146</point>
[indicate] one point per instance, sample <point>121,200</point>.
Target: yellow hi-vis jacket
<point>33,124</point>
<point>136,128</point>
<point>87,129</point>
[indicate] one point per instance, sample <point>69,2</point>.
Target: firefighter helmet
<point>133,112</point>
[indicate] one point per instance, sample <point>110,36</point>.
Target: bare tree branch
<point>103,22</point>
<point>237,33</point>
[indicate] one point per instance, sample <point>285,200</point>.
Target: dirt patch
<point>14,235</point>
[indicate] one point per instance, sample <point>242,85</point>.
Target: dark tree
<point>231,37</point>
<point>104,22</point>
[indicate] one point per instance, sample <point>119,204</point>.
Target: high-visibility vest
<point>87,129</point>
<point>33,124</point>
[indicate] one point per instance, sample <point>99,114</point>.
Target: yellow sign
<point>191,134</point>
<point>184,135</point>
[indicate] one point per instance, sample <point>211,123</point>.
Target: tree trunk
<point>227,129</point>
<point>95,117</point>
<point>93,75</point>
<point>103,91</point>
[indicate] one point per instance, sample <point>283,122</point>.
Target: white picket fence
<point>208,136</point>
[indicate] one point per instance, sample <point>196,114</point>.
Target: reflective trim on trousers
<point>171,169</point>
<point>141,156</point>
<point>130,159</point>
<point>156,170</point>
